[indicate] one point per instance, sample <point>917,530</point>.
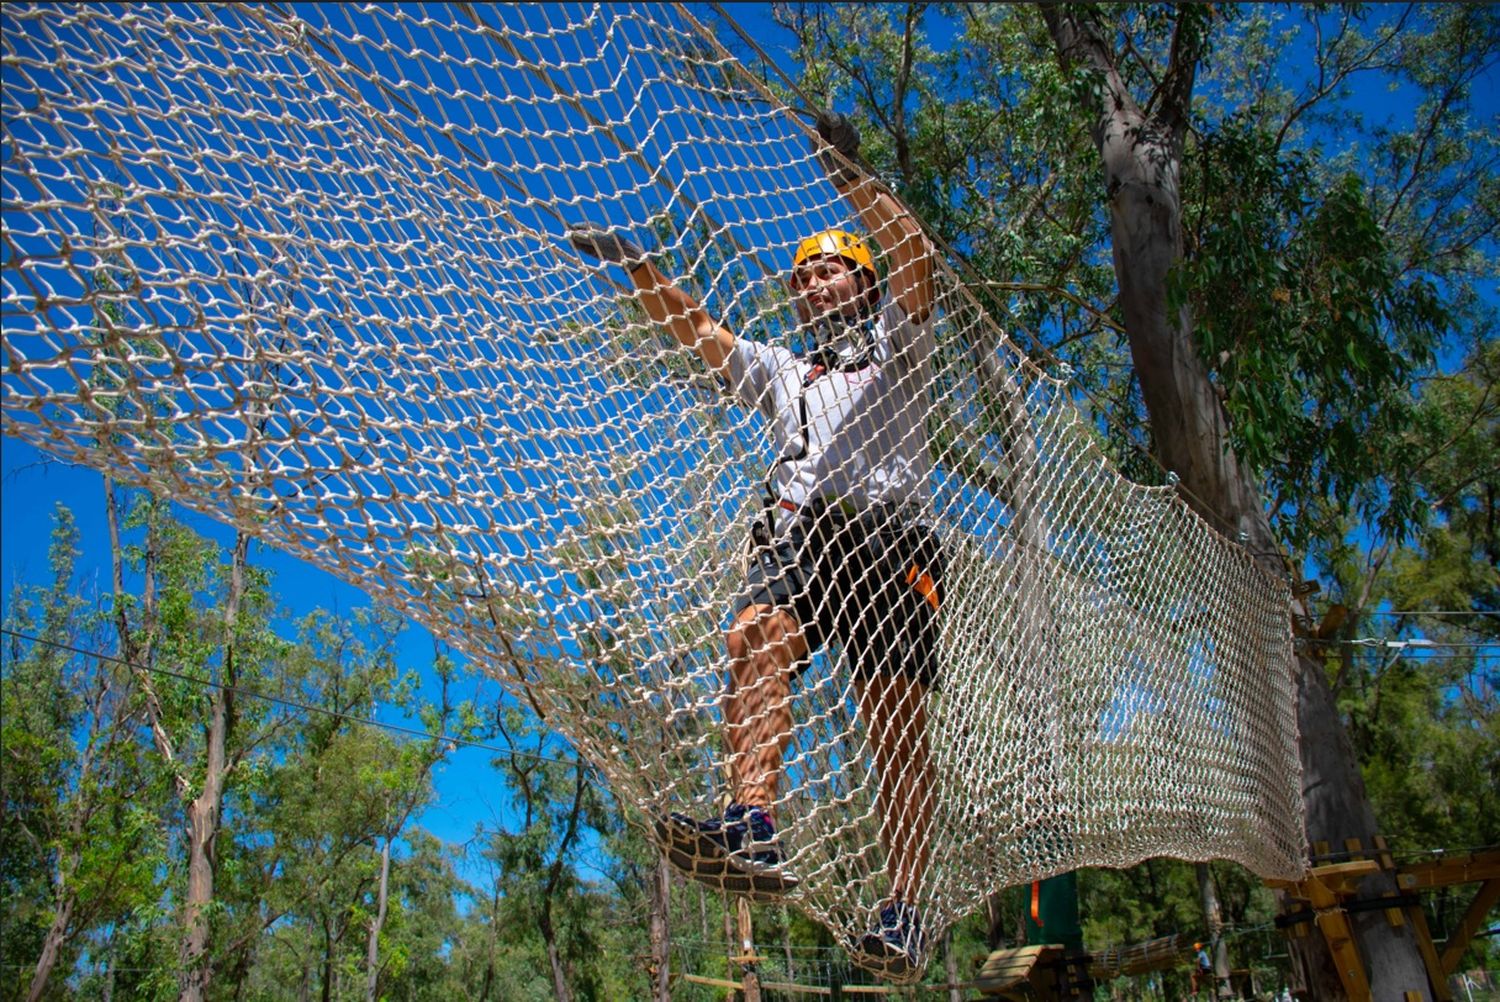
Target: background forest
<point>207,796</point>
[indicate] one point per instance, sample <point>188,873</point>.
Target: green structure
<point>1055,902</point>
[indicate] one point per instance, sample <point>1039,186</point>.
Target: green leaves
<point>80,844</point>
<point>1311,330</point>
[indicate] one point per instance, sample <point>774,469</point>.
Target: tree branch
<point>1326,86</point>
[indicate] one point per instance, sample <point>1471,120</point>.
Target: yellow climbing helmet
<point>837,243</point>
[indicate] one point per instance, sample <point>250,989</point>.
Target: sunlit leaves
<point>1313,332</point>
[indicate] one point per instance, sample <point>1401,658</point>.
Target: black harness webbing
<point>824,361</point>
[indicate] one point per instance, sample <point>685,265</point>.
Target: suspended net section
<point>306,270</point>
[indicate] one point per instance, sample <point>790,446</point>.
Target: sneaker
<point>896,944</point>
<point>738,852</point>
<point>727,835</point>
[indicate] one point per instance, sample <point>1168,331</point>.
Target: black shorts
<point>870,582</point>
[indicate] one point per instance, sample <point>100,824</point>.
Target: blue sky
<point>31,486</point>
<point>643,422</point>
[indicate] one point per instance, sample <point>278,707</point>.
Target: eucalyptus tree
<point>79,842</point>
<point>1254,279</point>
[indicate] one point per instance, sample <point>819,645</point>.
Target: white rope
<point>308,274</point>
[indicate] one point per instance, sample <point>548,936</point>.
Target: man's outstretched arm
<point>663,301</point>
<point>900,237</point>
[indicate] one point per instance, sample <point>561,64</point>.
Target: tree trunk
<point>950,968</point>
<point>202,831</point>
<point>994,912</point>
<point>786,944</point>
<point>108,994</point>
<point>65,898</point>
<point>239,973</point>
<point>1338,809</point>
<point>204,810</point>
<point>326,994</point>
<point>702,914</point>
<point>750,977</point>
<point>51,945</point>
<point>729,938</point>
<point>560,990</point>
<point>1141,157</point>
<point>1213,915</point>
<point>661,941</point>
<point>372,948</point>
<point>492,944</point>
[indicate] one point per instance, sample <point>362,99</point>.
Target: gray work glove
<point>837,132</point>
<point>606,245</point>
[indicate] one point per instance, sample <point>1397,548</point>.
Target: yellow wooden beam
<point>1324,885</point>
<point>1334,923</point>
<point>1467,868</point>
<point>1436,976</point>
<point>1474,917</point>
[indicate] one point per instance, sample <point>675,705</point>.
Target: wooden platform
<point>1330,891</point>
<point>1029,972</point>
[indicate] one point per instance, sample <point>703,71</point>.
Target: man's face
<point>829,286</point>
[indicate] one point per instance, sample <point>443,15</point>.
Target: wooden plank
<point>1334,923</point>
<point>782,986</point>
<point>785,986</point>
<point>1343,878</point>
<point>1007,969</point>
<point>699,979</point>
<point>869,990</point>
<point>1323,885</point>
<point>1016,961</point>
<point>1474,917</point>
<point>1468,868</point>
<point>1383,853</point>
<point>1437,979</point>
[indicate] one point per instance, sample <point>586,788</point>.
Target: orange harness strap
<point>923,583</point>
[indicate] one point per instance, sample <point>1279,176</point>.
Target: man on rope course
<point>839,553</point>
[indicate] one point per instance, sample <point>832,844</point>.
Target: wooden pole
<point>661,930</point>
<point>747,957</point>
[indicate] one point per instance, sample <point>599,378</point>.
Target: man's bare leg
<point>894,709</point>
<point>764,643</point>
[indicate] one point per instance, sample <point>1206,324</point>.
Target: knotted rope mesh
<point>304,270</point>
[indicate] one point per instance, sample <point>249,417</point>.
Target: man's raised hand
<point>606,245</point>
<point>839,133</point>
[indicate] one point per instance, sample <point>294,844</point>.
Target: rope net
<point>306,270</point>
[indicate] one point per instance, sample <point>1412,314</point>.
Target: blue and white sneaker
<point>894,948</point>
<point>738,852</point>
